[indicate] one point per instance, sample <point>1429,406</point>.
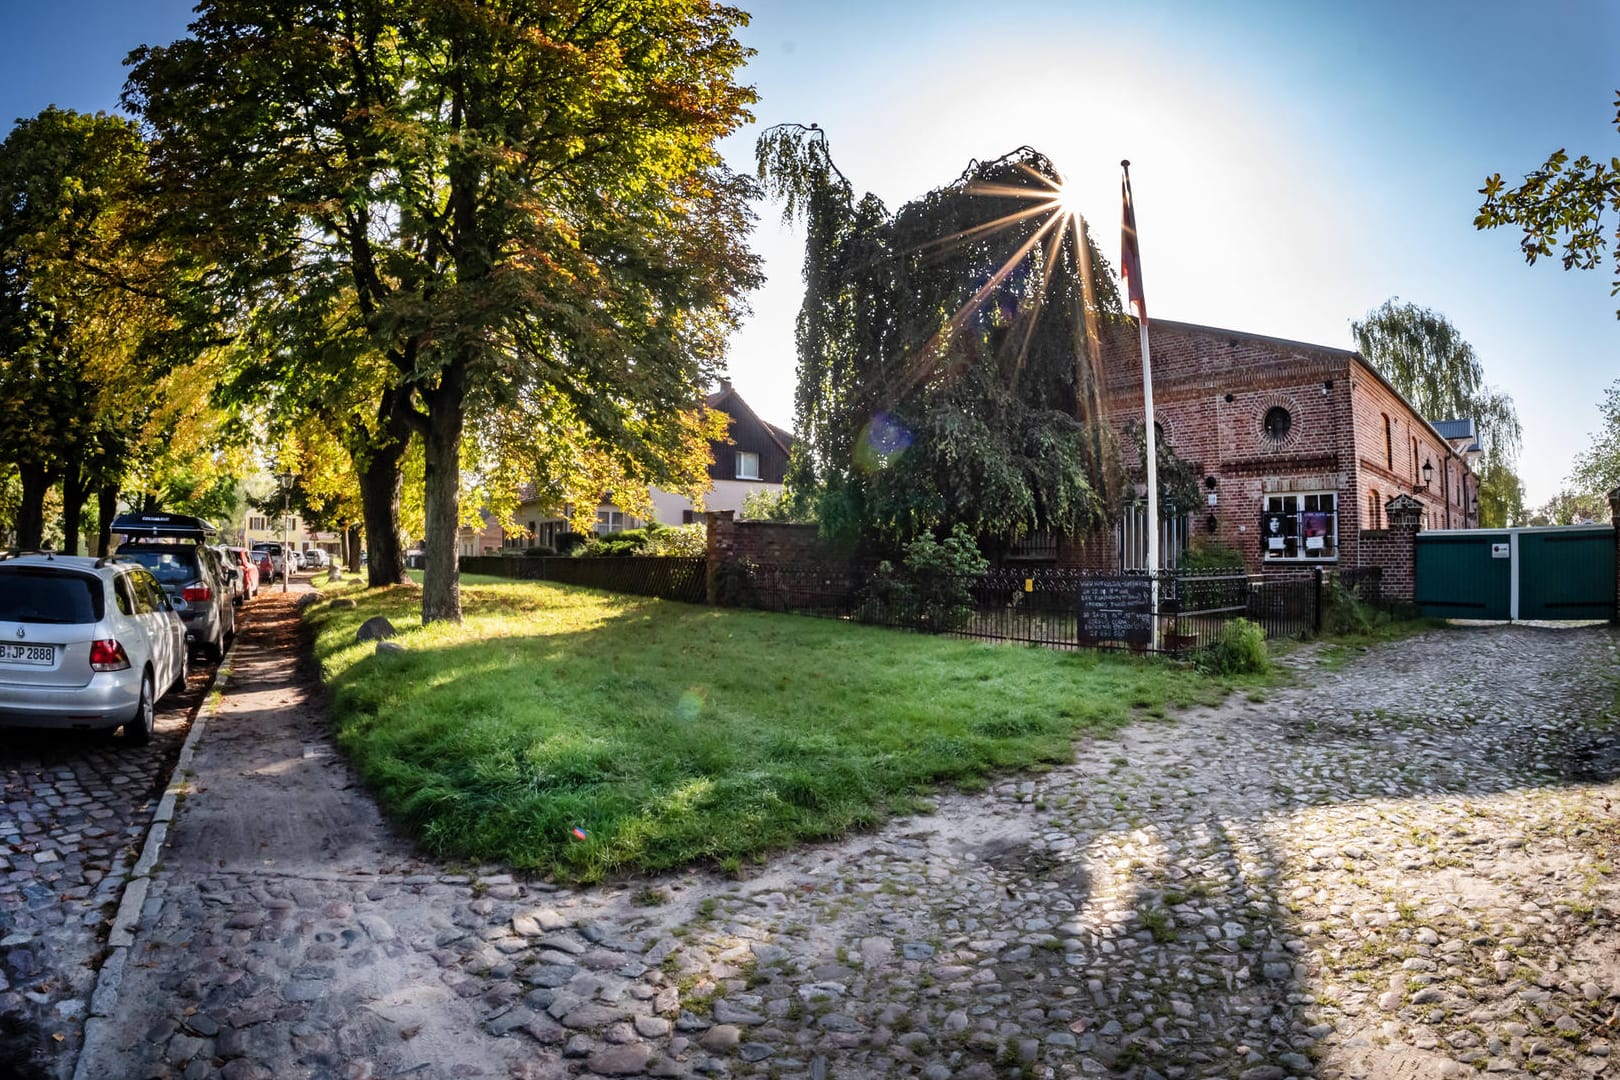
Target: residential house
<point>752,458</point>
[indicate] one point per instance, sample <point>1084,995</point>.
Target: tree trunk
<point>106,510</point>
<point>441,580</point>
<point>377,465</point>
<point>74,492</point>
<point>351,547</point>
<point>31,511</point>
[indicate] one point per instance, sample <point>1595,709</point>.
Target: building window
<point>1389,444</point>
<point>747,465</point>
<point>1373,510</point>
<point>256,524</point>
<point>610,521</point>
<point>1414,462</point>
<point>1278,423</point>
<point>1298,527</point>
<point>688,517</point>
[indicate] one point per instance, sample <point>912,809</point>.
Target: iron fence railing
<point>1062,608</point>
<point>1037,606</point>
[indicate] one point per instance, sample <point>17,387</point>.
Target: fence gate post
<point>1316,619</point>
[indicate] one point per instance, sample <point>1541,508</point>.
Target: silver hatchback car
<point>86,643</point>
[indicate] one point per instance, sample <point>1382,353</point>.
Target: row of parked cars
<point>94,643</point>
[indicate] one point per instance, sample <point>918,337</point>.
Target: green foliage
<point>734,584</point>
<point>513,205</point>
<point>1239,649</point>
<point>1571,507</point>
<point>782,505</point>
<point>947,368</point>
<point>1211,555</point>
<point>655,538</point>
<point>930,588</point>
<point>1561,202</point>
<point>1597,468</point>
<point>570,542</point>
<point>490,741</point>
<point>1428,361</point>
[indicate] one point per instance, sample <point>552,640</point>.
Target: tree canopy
<point>90,324</point>
<point>947,352</point>
<point>1561,204</point>
<point>506,201</point>
<point>1437,371</point>
<point>1597,468</point>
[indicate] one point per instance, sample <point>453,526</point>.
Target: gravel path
<point>1402,866</point>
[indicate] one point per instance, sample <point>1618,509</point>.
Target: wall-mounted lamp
<point>1428,476</point>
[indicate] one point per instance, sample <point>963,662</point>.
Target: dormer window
<point>747,465</point>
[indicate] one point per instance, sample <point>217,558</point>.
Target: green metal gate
<point>1562,572</point>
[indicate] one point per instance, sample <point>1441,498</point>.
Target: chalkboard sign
<point>1116,609</point>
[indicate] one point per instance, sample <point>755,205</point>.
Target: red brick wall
<point>1335,441</point>
<point>762,541</point>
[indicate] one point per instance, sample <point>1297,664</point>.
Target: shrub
<point>539,552</point>
<point>570,542</point>
<point>1212,555</point>
<point>681,541</point>
<point>930,588</point>
<point>1240,649</point>
<point>734,584</point>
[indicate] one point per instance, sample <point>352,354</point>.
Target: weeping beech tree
<point>948,353</point>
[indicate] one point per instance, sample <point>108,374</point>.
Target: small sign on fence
<point>1116,609</point>
<point>1501,551</point>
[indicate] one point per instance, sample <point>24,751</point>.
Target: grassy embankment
<point>672,734</point>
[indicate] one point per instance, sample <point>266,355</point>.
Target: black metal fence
<point>641,575</point>
<point>1059,608</point>
<point>1045,606</point>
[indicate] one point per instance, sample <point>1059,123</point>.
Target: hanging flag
<point>1131,259</point>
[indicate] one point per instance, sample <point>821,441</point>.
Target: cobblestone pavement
<point>73,810</point>
<point>1401,866</point>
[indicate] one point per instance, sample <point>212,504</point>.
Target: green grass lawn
<point>673,734</point>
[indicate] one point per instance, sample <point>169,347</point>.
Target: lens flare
<point>882,439</point>
<point>691,704</point>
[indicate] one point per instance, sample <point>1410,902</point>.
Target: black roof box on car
<point>155,524</point>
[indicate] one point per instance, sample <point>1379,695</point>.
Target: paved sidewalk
<point>1404,866</point>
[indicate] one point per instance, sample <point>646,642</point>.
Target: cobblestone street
<point>1403,865</point>
<point>73,810</point>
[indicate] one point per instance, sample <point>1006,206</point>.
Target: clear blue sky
<point>1294,164</point>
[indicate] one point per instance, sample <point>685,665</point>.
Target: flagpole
<point>1149,430</point>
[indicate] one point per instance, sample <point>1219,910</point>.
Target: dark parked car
<point>175,549</point>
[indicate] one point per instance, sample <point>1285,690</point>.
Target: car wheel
<point>214,651</point>
<point>138,728</point>
<point>185,672</point>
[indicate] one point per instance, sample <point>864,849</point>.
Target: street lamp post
<point>285,479</point>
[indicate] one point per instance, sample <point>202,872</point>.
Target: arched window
<point>1372,511</point>
<point>1389,443</point>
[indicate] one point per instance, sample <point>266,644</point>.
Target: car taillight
<point>193,594</point>
<point>108,655</point>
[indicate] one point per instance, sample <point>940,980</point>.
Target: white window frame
<point>1295,504</point>
<point>748,465</point>
<point>609,521</point>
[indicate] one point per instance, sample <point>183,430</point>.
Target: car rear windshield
<point>171,565</point>
<point>274,549</point>
<point>37,594</point>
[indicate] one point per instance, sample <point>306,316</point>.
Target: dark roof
<point>727,400</point>
<point>1455,430</point>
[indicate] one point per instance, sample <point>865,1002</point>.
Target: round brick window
<point>1278,423</point>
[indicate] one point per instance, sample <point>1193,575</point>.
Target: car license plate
<point>28,654</point>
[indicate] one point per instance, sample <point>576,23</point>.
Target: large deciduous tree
<point>947,353</point>
<point>1561,203</point>
<point>88,313</point>
<point>1437,371</point>
<point>520,194</point>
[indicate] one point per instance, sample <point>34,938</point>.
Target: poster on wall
<point>1314,527</point>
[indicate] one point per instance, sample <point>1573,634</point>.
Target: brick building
<point>1298,447</point>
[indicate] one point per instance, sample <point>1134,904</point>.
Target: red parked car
<point>249,580</point>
